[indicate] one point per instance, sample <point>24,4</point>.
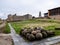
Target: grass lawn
<point>45,23</point>
<point>7,29</point>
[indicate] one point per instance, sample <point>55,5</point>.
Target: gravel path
<point>18,40</point>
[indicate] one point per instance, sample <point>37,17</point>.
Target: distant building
<point>45,14</point>
<point>18,18</point>
<point>54,13</point>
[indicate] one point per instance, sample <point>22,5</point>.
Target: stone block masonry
<point>18,18</point>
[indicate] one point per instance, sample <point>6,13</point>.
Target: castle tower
<point>39,14</point>
<point>10,17</point>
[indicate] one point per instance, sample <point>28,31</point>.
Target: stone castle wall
<point>54,13</point>
<point>18,18</point>
<point>57,17</point>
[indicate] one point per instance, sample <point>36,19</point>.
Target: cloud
<point>2,16</point>
<point>27,6</point>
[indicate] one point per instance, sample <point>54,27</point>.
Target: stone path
<point>5,39</point>
<point>18,40</point>
<point>2,25</point>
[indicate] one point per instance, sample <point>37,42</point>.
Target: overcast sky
<point>21,7</point>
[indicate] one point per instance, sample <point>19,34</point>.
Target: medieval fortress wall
<point>18,18</point>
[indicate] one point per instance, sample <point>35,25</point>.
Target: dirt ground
<point>5,39</point>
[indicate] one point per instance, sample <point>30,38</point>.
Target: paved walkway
<point>18,40</point>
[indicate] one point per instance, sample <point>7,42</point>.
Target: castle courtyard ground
<point>18,40</point>
<point>5,39</point>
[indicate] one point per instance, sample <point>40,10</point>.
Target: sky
<point>22,7</point>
